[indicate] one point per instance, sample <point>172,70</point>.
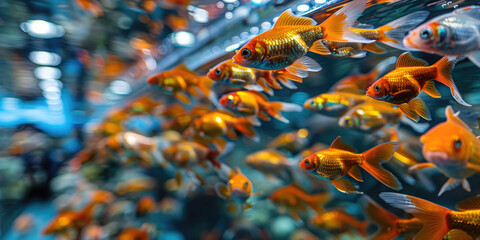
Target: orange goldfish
<point>232,74</point>
<point>180,80</point>
<point>218,123</point>
<point>101,196</point>
<point>271,162</point>
<point>453,149</point>
<point>391,33</point>
<point>236,192</point>
<point>437,220</point>
<point>133,233</point>
<point>182,119</point>
<point>411,76</point>
<point>285,45</point>
<point>390,226</point>
<point>450,34</point>
<point>351,49</point>
<point>296,201</point>
<point>340,159</point>
<point>338,222</point>
<point>291,141</point>
<point>358,83</point>
<point>370,117</point>
<point>145,205</point>
<point>70,220</point>
<point>334,104</point>
<point>91,6</point>
<point>251,103</point>
<point>141,105</point>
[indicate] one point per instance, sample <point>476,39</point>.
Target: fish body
<point>452,34</point>
<point>285,45</point>
<point>133,233</point>
<point>251,103</point>
<point>340,159</point>
<point>297,201</point>
<point>291,141</point>
<point>272,163</point>
<point>370,117</point>
<point>67,220</point>
<point>235,75</point>
<point>187,154</point>
<point>437,220</point>
<point>334,104</point>
<point>411,76</point>
<point>145,205</point>
<point>453,149</point>
<point>338,222</point>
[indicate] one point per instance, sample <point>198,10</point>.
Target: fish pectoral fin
<point>182,97</point>
<point>406,60</point>
<point>262,115</point>
<point>319,47</point>
<point>302,66</point>
<point>345,186</point>
<point>418,105</point>
<point>220,143</point>
<point>457,234</point>
<point>193,90</point>
<point>355,173</point>
<point>222,190</point>
<point>474,166</point>
<point>469,204</point>
<point>409,112</point>
<point>247,206</point>
<point>449,185</point>
<point>233,208</point>
<point>421,166</point>
<point>466,185</point>
<point>254,87</point>
<point>374,48</point>
<point>429,88</point>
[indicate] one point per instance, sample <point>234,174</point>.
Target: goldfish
<point>236,192</point>
<point>451,34</point>
<point>437,220</point>
<point>133,233</point>
<point>351,49</point>
<point>218,123</point>
<point>70,219</point>
<point>232,74</point>
<point>296,201</point>
<point>453,149</point>
<point>145,205</point>
<point>135,185</point>
<point>285,45</point>
<point>291,141</point>
<point>183,119</point>
<point>251,103</point>
<point>101,196</point>
<point>334,104</point>
<point>358,83</point>
<point>340,159</point>
<point>370,117</point>
<point>188,154</point>
<point>270,162</point>
<point>141,105</point>
<point>389,225</point>
<point>392,33</point>
<point>411,76</point>
<point>91,6</point>
<point>180,80</point>
<point>338,222</point>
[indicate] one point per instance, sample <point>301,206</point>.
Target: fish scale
<point>468,221</point>
<point>336,163</point>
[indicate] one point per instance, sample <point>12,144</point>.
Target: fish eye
<point>307,163</point>
<point>229,100</point>
<point>426,33</point>
<point>218,71</point>
<point>457,144</point>
<point>246,53</point>
<point>377,88</point>
<point>245,184</point>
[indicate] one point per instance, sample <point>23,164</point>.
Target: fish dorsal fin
<point>183,67</point>
<point>472,11</point>
<point>288,19</point>
<point>469,204</point>
<point>453,117</point>
<point>406,60</point>
<point>339,144</point>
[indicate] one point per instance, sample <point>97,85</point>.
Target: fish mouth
<point>238,60</point>
<point>439,158</point>
<point>238,193</point>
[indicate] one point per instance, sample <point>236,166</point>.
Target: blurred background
<point>73,76</point>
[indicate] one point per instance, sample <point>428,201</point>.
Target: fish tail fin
<point>205,86</point>
<point>335,28</point>
<point>444,68</point>
<point>86,213</point>
<point>433,216</point>
<point>262,83</point>
<point>372,164</point>
<point>392,33</point>
<point>386,221</point>
<point>317,201</point>
<point>245,126</point>
<point>274,109</point>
